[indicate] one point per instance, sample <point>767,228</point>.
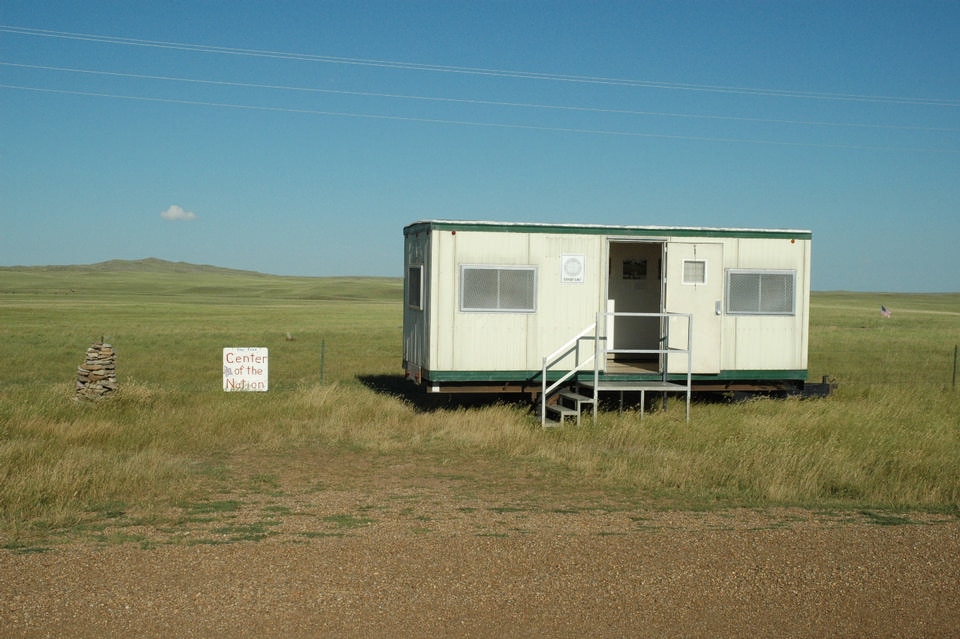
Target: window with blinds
<point>758,292</point>
<point>498,288</point>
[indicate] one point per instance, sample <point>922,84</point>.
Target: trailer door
<point>693,283</point>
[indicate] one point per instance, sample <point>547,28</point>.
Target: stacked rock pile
<point>97,376</point>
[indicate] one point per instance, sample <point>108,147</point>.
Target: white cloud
<point>176,213</point>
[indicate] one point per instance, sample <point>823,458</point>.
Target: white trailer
<point>717,308</point>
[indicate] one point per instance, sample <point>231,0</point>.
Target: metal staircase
<point>567,404</point>
<point>566,396</point>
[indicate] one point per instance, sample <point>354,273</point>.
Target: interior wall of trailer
<point>635,286</point>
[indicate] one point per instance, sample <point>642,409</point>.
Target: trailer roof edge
<point>600,229</point>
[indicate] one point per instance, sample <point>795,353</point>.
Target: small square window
<point>694,271</point>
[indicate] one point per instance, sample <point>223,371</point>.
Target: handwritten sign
<point>245,369</point>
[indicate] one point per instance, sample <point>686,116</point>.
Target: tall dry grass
<point>887,439</point>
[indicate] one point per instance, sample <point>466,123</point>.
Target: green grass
<point>172,441</point>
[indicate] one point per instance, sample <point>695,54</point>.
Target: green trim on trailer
<point>488,376</point>
<point>613,231</point>
<point>439,377</point>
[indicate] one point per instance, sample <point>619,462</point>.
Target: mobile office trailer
<point>487,302</point>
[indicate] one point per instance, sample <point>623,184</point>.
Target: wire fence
<point>936,367</point>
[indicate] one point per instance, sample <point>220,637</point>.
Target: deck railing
<point>663,350</point>
<point>602,349</point>
<point>572,346</point>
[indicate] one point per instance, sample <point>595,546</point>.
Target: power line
<point>370,116</point>
<point>503,73</point>
<point>474,101</point>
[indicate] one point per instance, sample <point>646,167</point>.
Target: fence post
<point>955,366</point>
<point>323,348</point>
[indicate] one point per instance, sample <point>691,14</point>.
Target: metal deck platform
<point>608,386</point>
<point>619,373</point>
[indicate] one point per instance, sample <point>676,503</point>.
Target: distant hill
<point>147,265</point>
<point>154,265</point>
<point>162,279</point>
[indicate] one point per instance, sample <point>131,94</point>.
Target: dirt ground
<point>423,565</point>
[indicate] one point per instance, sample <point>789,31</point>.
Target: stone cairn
<point>97,376</point>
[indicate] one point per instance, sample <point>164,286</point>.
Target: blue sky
<point>298,138</point>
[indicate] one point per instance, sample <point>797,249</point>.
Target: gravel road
<point>495,572</point>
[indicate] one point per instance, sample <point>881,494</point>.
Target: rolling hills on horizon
<point>145,265</point>
<point>163,278</point>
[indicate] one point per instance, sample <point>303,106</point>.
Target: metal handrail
<point>553,358</point>
<point>600,355</point>
<point>664,350</point>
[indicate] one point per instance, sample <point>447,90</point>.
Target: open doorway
<point>635,285</point>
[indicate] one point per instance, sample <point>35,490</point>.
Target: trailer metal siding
<point>513,340</point>
<point>448,343</point>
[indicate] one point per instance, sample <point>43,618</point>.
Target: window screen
<point>498,288</point>
<point>694,272</point>
<point>761,292</point>
<point>415,286</point>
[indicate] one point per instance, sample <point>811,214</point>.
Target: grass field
<point>888,440</point>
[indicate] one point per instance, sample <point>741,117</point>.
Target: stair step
<point>573,396</point>
<point>563,411</point>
